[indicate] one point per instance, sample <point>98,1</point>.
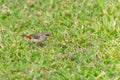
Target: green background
<point>84,42</point>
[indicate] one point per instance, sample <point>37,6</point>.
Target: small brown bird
<point>39,37</point>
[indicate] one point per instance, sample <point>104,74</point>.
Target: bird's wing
<point>35,36</point>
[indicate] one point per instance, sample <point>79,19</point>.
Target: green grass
<point>85,41</point>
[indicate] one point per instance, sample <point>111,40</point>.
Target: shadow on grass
<point>40,44</point>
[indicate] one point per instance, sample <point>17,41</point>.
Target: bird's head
<point>46,34</point>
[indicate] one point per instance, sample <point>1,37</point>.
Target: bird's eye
<point>47,34</point>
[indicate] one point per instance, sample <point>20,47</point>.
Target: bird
<point>38,37</point>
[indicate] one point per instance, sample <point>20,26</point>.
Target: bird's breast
<point>38,40</point>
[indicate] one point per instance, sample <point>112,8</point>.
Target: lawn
<point>84,42</point>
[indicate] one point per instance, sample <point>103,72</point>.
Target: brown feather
<point>35,36</point>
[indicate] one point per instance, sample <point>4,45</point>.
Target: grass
<point>85,41</point>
